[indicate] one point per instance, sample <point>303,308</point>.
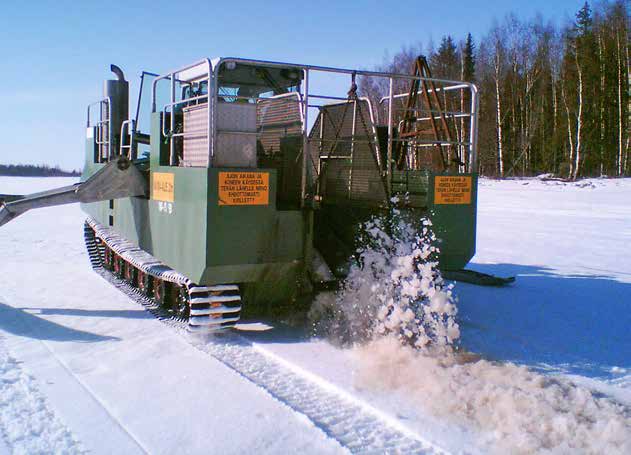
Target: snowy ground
<point>84,369</point>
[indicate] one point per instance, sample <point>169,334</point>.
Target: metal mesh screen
<point>195,151</point>
<point>343,141</point>
<point>277,118</point>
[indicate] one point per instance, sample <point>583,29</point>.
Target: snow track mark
<point>355,425</point>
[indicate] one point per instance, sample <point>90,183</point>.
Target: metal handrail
<point>99,140</point>
<point>171,76</point>
<point>173,104</point>
<point>328,69</point>
<point>472,115</point>
<point>131,133</point>
<point>209,71</point>
<point>107,100</point>
<point>450,85</point>
<point>439,89</point>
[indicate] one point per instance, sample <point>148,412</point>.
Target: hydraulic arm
<point>118,179</point>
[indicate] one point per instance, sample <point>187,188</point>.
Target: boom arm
<point>119,178</point>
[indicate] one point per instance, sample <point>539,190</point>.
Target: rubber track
<point>96,255</point>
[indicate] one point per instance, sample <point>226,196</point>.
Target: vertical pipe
<point>390,133</point>
<point>153,94</point>
<point>133,148</point>
<point>353,130</point>
<point>308,212</point>
<point>211,112</point>
<point>320,146</point>
<point>473,134</point>
<point>110,135</point>
<point>213,119</point>
<point>305,138</point>
<point>172,129</point>
<point>142,83</point>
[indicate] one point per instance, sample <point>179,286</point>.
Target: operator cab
<point>254,108</point>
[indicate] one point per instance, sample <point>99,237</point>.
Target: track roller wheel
<point>181,308</point>
<point>130,273</point>
<point>144,283</point>
<point>119,265</point>
<point>108,259</point>
<point>161,292</point>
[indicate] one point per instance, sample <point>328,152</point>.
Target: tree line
<point>32,170</point>
<point>553,99</point>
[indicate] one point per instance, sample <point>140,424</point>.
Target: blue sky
<point>55,54</point>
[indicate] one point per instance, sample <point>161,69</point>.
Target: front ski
<point>479,278</point>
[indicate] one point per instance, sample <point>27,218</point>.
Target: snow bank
<point>27,423</point>
<point>518,411</point>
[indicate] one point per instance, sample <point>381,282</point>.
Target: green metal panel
<point>207,242</point>
<point>259,246</point>
<point>454,225</point>
<point>245,240</point>
<point>174,232</point>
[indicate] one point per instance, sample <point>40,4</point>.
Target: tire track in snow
<point>355,425</point>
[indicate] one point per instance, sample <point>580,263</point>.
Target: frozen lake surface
<point>84,368</point>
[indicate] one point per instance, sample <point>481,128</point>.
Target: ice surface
<point>27,423</point>
<point>568,244</point>
<point>103,366</point>
<point>121,380</point>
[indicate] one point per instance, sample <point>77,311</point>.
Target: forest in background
<point>553,98</point>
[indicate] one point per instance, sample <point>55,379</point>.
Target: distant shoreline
<point>31,170</point>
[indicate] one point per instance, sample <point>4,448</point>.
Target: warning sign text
<point>452,189</point>
<point>243,188</point>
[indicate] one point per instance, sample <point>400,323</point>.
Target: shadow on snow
<point>574,323</point>
<point>128,314</point>
<point>20,322</point>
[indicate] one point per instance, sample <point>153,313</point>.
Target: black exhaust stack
<point>117,91</point>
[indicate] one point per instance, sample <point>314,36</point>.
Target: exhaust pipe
<point>119,72</point>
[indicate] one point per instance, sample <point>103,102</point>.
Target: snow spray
<point>399,316</point>
<point>394,287</point>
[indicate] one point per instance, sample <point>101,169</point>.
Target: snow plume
<point>514,409</point>
<point>395,287</point>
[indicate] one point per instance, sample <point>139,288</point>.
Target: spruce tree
<point>469,60</point>
<point>445,63</point>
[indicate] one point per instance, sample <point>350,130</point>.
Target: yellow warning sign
<point>452,189</point>
<point>243,188</point>
<point>162,186</point>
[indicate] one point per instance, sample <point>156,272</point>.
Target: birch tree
<point>552,98</point>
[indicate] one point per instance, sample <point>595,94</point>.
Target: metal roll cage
<point>211,74</point>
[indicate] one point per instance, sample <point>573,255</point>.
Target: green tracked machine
<point>239,184</point>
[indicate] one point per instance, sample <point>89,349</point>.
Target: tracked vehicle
<point>239,184</point>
